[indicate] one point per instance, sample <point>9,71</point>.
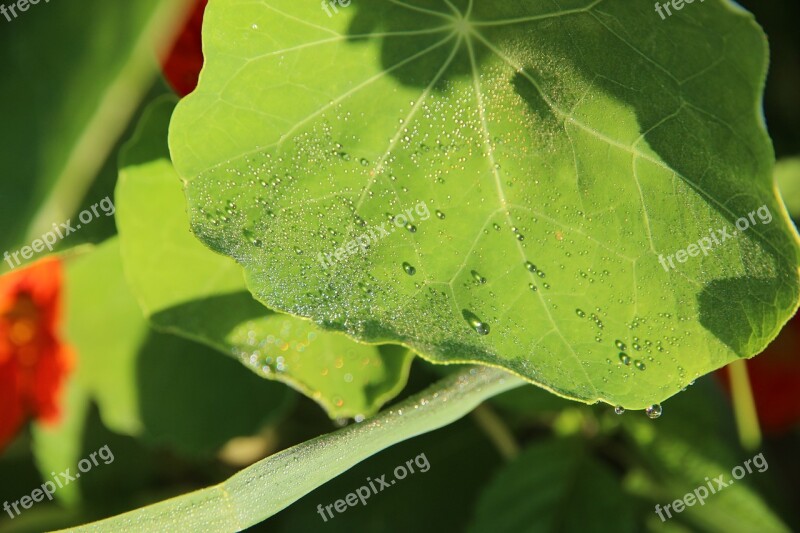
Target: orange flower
<point>33,361</point>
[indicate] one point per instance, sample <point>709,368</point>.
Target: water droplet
<point>479,326</point>
<point>636,346</point>
<point>360,221</point>
<point>411,227</point>
<point>530,266</point>
<point>410,270</point>
<point>620,345</point>
<point>496,227</point>
<point>533,287</point>
<point>619,409</point>
<point>480,280</point>
<point>440,214</point>
<point>638,364</point>
<point>580,313</point>
<point>624,358</point>
<point>364,162</point>
<point>654,411</point>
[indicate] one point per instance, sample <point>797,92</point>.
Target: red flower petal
<point>33,361</point>
<point>183,63</point>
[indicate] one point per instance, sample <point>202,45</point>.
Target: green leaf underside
<point>185,288</point>
<point>559,150</point>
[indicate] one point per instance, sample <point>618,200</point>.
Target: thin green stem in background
<point>497,431</point>
<point>744,406</point>
<point>267,487</point>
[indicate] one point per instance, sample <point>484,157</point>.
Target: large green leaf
<point>185,288</point>
<point>529,163</point>
<point>62,118</point>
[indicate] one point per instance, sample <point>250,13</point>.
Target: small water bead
<point>654,411</point>
<point>360,221</point>
<point>639,364</point>
<point>476,323</point>
<point>533,287</point>
<point>410,270</point>
<point>496,227</point>
<point>546,285</point>
<point>624,358</point>
<point>531,267</point>
<point>580,313</point>
<point>440,215</point>
<point>636,346</point>
<point>619,409</point>
<point>411,227</point>
<point>480,280</point>
<point>621,345</point>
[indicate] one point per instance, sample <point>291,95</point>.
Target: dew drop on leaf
<point>654,411</point>
<point>480,280</point>
<point>475,323</point>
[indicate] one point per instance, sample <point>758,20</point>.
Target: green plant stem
<point>497,431</point>
<point>273,484</point>
<point>744,406</point>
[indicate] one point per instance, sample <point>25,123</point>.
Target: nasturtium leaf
<point>187,289</point>
<point>555,485</point>
<point>61,117</point>
<point>161,387</point>
<point>519,171</point>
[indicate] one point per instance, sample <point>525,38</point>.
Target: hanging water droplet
<point>410,270</point>
<point>619,409</point>
<point>479,326</point>
<point>620,345</point>
<point>440,214</point>
<point>480,280</point>
<point>624,358</point>
<point>638,364</point>
<point>580,313</point>
<point>654,411</point>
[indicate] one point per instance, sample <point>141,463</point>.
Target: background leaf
<point>80,70</point>
<point>162,387</point>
